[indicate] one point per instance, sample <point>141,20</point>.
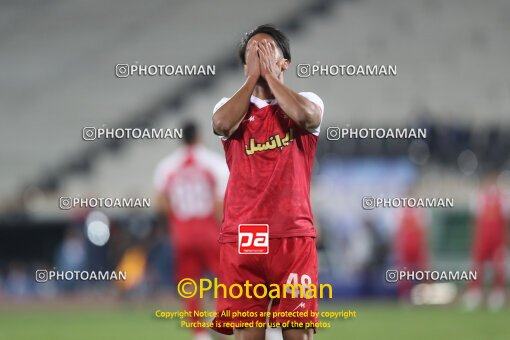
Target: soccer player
<point>410,246</point>
<point>489,246</point>
<point>190,185</point>
<point>269,133</point>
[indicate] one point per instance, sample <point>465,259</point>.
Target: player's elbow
<point>310,119</point>
<point>310,124</point>
<point>220,126</point>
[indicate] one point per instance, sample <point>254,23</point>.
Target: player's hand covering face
<point>271,61</point>
<point>252,59</point>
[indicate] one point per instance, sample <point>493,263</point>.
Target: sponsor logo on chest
<point>274,142</point>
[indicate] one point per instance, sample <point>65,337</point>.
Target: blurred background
<point>57,76</point>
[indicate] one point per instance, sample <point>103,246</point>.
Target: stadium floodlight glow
<point>98,228</point>
<point>419,152</point>
<point>467,162</point>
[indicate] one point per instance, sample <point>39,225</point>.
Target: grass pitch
<point>373,321</point>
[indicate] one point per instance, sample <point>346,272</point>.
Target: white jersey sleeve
<point>220,104</point>
<point>216,107</point>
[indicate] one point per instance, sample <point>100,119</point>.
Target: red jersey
<point>491,217</point>
<point>411,238</point>
<point>194,179</point>
<point>270,159</point>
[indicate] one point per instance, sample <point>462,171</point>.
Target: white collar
<point>260,103</point>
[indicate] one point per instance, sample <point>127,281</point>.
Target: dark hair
<point>189,133</point>
<point>280,39</point>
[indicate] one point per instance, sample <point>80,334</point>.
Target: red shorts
<point>290,260</point>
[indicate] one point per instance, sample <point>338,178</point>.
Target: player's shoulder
<point>208,156</point>
<point>171,161</point>
<point>166,167</point>
<point>205,152</point>
<point>210,160</point>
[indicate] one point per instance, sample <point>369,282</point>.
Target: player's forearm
<point>227,118</point>
<point>302,111</point>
